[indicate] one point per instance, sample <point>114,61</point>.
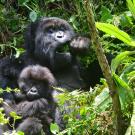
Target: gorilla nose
<point>60,34</point>
<point>33,90</point>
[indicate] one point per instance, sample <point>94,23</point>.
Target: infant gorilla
<point>34,101</point>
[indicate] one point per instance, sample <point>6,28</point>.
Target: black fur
<point>43,39</point>
<point>35,101</point>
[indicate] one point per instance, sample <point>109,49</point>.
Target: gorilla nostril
<point>59,36</point>
<point>33,90</point>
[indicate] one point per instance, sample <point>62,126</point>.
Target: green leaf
<point>1,100</point>
<point>128,73</point>
<point>33,16</point>
<point>119,58</point>
<point>54,128</point>
<point>133,119</point>
<point>20,133</point>
<point>102,100</point>
<point>131,6</point>
<point>21,2</point>
<point>126,20</point>
<point>3,120</point>
<point>14,115</point>
<point>128,132</point>
<point>72,18</point>
<point>83,111</point>
<point>105,14</point>
<point>8,89</point>
<point>19,51</point>
<point>125,92</point>
<point>115,31</point>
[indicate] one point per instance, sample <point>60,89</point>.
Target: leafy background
<point>91,111</point>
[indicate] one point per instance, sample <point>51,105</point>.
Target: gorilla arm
<point>32,108</point>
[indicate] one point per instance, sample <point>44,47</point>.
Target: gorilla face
<point>51,34</point>
<point>34,89</point>
<point>45,40</point>
<point>35,82</point>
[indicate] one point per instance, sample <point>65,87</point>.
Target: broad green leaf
<point>134,2</point>
<point>131,7</point>
<point>115,31</point>
<point>125,92</point>
<point>33,16</point>
<point>102,100</point>
<point>119,58</point>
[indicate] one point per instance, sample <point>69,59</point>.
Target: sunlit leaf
<point>19,51</point>
<point>102,100</point>
<point>54,128</point>
<point>128,132</point>
<point>33,16</point>
<point>20,133</point>
<point>115,31</point>
<point>131,6</point>
<point>119,58</point>
<point>133,119</point>
<point>14,115</point>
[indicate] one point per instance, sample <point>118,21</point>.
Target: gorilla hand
<point>79,45</point>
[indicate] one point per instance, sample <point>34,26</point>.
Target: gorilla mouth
<point>32,97</point>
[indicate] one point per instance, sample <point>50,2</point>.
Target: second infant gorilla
<point>34,102</point>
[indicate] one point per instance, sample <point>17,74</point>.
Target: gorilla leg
<point>30,126</point>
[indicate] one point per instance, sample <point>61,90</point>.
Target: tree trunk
<point>105,68</point>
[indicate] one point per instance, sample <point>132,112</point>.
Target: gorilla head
<point>44,36</point>
<point>35,82</point>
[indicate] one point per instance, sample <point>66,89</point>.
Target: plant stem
<point>105,68</point>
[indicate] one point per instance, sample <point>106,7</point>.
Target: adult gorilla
<point>44,40</point>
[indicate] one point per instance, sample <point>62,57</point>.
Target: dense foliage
<point>91,112</point>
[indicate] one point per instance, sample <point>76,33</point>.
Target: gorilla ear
<point>29,37</point>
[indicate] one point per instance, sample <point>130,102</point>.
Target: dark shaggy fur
<point>35,101</point>
<point>43,39</point>
<point>44,42</point>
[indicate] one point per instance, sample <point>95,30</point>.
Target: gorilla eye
<point>50,31</point>
<point>24,88</point>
